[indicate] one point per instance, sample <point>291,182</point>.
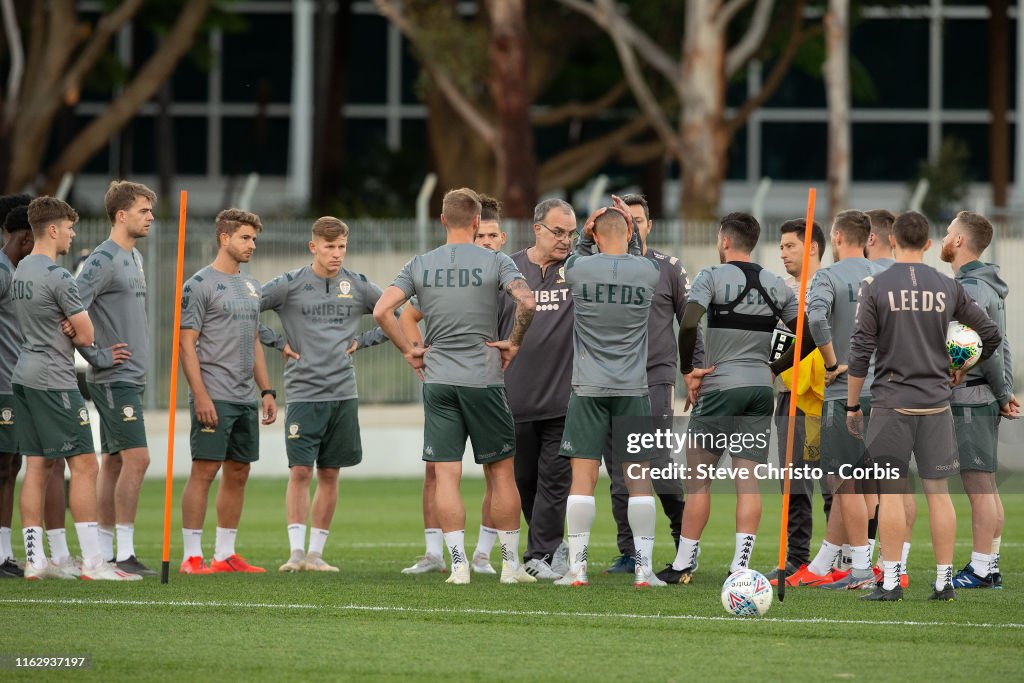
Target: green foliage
<point>948,180</point>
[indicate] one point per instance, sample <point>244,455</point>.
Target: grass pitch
<point>371,622</point>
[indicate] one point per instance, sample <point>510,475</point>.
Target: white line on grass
<point>490,612</point>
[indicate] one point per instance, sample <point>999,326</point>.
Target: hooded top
<point>982,283</point>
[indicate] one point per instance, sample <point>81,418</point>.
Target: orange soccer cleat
<point>194,565</point>
<point>805,577</point>
<point>236,564</point>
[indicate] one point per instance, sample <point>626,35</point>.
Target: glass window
<point>257,144</point>
<point>893,54</point>
<point>258,61</point>
<point>794,151</point>
<point>368,51</point>
<point>736,156</point>
<point>965,64</point>
<point>888,151</point>
<point>975,136</point>
<point>797,89</point>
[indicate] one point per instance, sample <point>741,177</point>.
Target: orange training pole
<point>169,490</point>
<point>784,531</point>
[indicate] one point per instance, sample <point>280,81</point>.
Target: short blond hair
<point>229,221</point>
<point>329,228</point>
<point>460,207</point>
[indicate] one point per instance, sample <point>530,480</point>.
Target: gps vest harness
<point>724,316</point>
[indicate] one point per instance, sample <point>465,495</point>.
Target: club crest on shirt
<point>129,414</point>
<point>561,276</point>
<point>6,416</point>
<point>293,430</point>
<point>345,289</point>
<point>83,417</point>
<point>252,289</point>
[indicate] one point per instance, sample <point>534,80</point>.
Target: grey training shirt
<point>225,310</point>
<point>10,334</point>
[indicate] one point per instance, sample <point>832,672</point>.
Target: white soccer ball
<point>963,345</point>
<point>746,593</point>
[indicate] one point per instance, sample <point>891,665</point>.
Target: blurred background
<point>371,110</point>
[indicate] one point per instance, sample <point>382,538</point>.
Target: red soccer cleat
<point>194,565</point>
<point>235,564</point>
<point>904,580</point>
<point>804,577</point>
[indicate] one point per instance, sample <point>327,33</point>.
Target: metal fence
<point>379,249</point>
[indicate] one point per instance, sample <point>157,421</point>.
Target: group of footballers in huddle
<point>530,356</point>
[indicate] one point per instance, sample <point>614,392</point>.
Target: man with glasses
<point>538,386</point>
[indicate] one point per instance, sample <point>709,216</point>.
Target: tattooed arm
<point>526,305</point>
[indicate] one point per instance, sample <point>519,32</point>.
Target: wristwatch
<point>833,368</point>
<point>269,392</point>
<point>853,408</point>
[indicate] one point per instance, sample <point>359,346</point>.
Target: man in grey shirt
<point>667,305</point>
<point>975,405</point>
<point>879,246</point>
<point>902,317</point>
<point>17,244</point>
<point>53,421</point>
<point>612,292</point>
<point>733,394</point>
<point>113,289</point>
<point>538,386</point>
<point>463,393</point>
<point>320,306</point>
<point>221,357</point>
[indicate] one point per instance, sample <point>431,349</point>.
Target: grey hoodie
<point>982,283</point>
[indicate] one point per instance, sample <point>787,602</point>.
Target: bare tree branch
<point>576,163</point>
<point>17,53</point>
<point>153,74</point>
<point>641,153</point>
<point>106,27</point>
<point>580,110</point>
<point>459,102</point>
<point>729,11</point>
<point>774,80</point>
<point>751,40</point>
<point>638,84</point>
<point>645,47</point>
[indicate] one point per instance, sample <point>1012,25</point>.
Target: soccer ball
<point>746,593</point>
<point>963,345</point>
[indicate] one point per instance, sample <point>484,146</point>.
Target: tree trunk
<point>998,99</point>
<point>333,152</point>
<point>509,86</point>
<point>837,92</point>
<point>701,126</point>
<point>461,159</point>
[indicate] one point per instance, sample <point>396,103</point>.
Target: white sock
<point>943,575</point>
<point>317,540</point>
<point>996,542</point>
<point>509,548</point>
<point>981,564</point>
<point>106,536</point>
<point>297,537</point>
<point>456,542</point>
<point>744,549</point>
<point>125,542</point>
<point>58,539</point>
<point>6,550</point>
<point>89,542</point>
<point>642,520</point>
<point>861,555</point>
<point>579,519</point>
<point>224,546</point>
<point>846,562</point>
<point>871,550</point>
<point>904,556</point>
<point>686,554</point>
<point>485,541</point>
<point>192,540</point>
<point>823,561</point>
<point>34,555</point>
<point>435,542</point>
<point>892,575</point>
